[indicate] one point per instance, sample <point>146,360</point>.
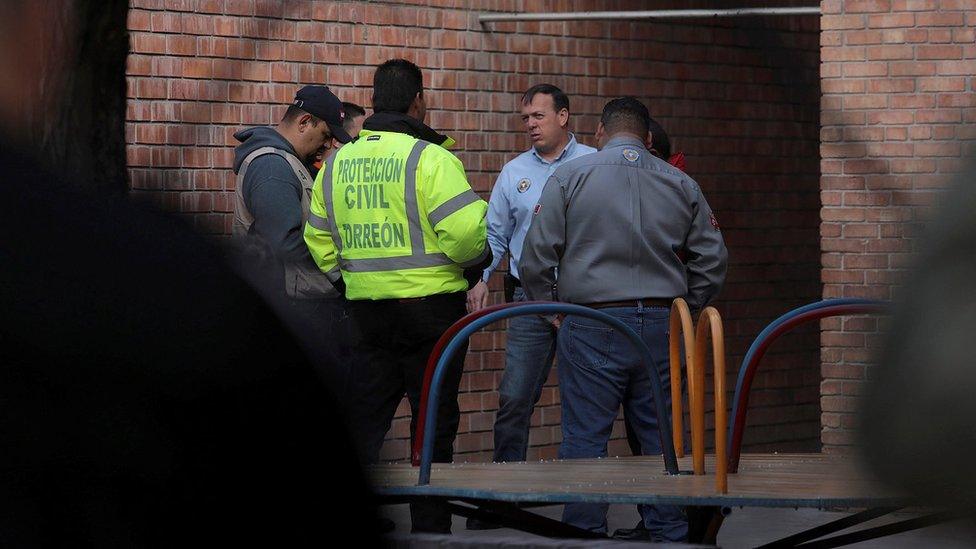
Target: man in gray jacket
<point>272,203</point>
<point>615,225</point>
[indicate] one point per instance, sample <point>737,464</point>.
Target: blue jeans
<point>599,370</point>
<point>528,359</point>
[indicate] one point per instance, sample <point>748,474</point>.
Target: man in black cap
<point>270,210</point>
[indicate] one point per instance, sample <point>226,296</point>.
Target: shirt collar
<point>621,140</point>
<point>568,149</point>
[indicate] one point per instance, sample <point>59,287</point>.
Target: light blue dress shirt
<point>514,196</point>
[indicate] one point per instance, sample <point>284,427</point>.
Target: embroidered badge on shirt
<point>711,217</point>
<point>523,184</point>
<point>535,211</point>
<point>631,155</point>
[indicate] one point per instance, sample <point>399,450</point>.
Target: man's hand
<point>477,297</point>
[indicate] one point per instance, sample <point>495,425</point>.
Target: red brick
<point>890,117</point>
<point>197,68</point>
<point>931,148</point>
<point>938,116</point>
<point>940,19</point>
<point>196,24</point>
<point>914,5</point>
<point>842,182</point>
<point>165,22</point>
<point>946,132</point>
<point>227,26</point>
<point>896,134</point>
<point>138,20</point>
<point>841,371</point>
<point>842,22</point>
<point>951,68</point>
<point>938,52</point>
<point>964,36</point>
<point>864,101</point>
<point>855,70</point>
<point>876,53</point>
<point>891,20</point>
<point>941,83</point>
<point>181,45</point>
<point>891,85</point>
<point>847,53</point>
<point>239,7</point>
<point>912,101</point>
<point>866,199</point>
<point>913,68</point>
<point>147,43</point>
<point>913,166</point>
<point>867,6</point>
<point>866,261</point>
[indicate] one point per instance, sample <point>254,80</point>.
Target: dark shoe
<point>385,525</point>
<point>637,533</point>
<point>477,524</point>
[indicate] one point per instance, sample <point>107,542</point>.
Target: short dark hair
<point>351,110</point>
<point>559,99</point>
<point>395,84</point>
<point>660,142</point>
<point>626,114</point>
<point>294,113</point>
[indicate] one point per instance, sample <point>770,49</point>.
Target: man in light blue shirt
<point>531,339</point>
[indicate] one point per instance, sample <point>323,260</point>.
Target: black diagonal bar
<point>884,530</point>
<point>830,527</point>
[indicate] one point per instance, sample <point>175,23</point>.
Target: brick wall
<point>739,97</point>
<point>898,98</point>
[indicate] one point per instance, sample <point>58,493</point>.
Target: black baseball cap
<point>323,104</point>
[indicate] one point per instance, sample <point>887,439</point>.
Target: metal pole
<point>657,14</point>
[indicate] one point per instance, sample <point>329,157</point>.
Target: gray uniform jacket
<point>615,224</point>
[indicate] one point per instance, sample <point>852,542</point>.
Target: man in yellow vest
<point>394,220</point>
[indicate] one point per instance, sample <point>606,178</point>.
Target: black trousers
<point>395,339</point>
<point>325,332</point>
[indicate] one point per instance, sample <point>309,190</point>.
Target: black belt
<point>646,302</point>
<point>433,297</point>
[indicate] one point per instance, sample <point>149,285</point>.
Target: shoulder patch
<point>535,211</point>
<point>523,184</point>
<point>631,155</point>
<point>713,221</point>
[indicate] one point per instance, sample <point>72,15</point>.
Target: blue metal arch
<point>543,307</point>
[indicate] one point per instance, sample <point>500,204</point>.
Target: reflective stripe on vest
<point>418,256</point>
<point>301,281</point>
<point>441,212</point>
<point>242,216</point>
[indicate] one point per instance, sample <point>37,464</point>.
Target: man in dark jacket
<point>271,207</point>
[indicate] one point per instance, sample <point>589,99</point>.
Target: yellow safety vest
<point>395,216</point>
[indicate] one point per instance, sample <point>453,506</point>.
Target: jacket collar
<point>621,140</point>
<point>388,121</point>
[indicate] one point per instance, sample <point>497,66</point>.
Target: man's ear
<point>304,121</point>
<point>600,131</point>
<point>649,141</point>
<point>420,101</point>
<point>563,117</point>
